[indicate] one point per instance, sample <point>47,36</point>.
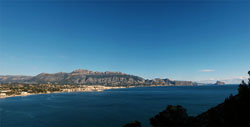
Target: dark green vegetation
<point>172,116</point>
<point>133,124</point>
<point>233,112</point>
<point>86,77</point>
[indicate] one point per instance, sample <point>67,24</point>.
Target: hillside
<point>86,77</point>
<point>13,79</point>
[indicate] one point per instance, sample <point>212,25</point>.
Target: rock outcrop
<point>219,83</point>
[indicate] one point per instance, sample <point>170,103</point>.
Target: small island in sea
<point>219,83</point>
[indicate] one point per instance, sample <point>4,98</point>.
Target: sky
<point>182,40</point>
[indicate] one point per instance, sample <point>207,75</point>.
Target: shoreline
<point>92,89</point>
<point>96,88</point>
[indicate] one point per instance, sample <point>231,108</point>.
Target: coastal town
<point>12,90</point>
<point>22,89</point>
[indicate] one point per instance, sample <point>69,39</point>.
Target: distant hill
<point>86,77</point>
<point>219,83</point>
<point>13,78</point>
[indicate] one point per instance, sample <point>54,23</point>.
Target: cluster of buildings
<point>3,93</point>
<point>17,90</point>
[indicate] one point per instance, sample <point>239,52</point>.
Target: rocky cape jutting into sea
<point>86,77</point>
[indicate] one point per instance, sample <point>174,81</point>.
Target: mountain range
<point>86,77</point>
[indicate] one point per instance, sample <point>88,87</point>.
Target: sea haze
<point>111,108</point>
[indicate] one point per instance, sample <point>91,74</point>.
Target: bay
<point>110,108</point>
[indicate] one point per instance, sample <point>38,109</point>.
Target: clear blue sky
<point>183,39</point>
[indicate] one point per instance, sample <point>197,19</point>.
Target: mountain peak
<point>82,71</point>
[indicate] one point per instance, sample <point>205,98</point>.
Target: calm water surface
<point>111,108</point>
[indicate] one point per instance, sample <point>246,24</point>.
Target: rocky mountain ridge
<point>86,77</point>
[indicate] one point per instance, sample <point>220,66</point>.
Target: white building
<point>24,93</point>
<point>2,94</point>
<point>5,91</point>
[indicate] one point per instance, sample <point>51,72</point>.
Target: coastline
<point>94,88</point>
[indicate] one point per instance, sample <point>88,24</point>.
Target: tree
<point>172,116</point>
<point>133,124</point>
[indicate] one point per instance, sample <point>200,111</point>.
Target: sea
<point>110,108</point>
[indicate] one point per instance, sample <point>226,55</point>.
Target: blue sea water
<point>111,108</point>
